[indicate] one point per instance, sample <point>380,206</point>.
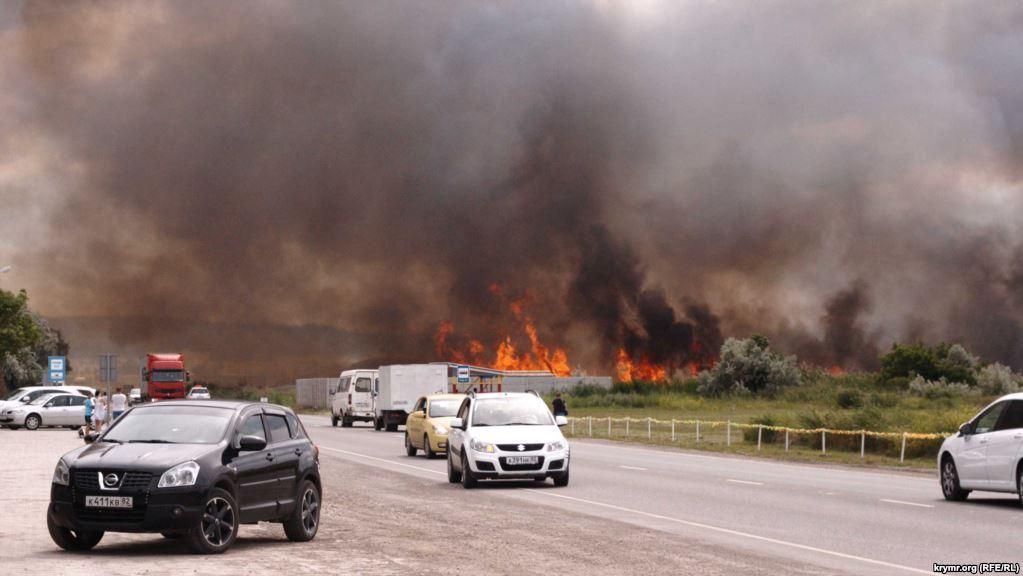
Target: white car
<point>506,436</point>
<point>50,410</point>
<point>987,453</point>
<point>27,394</point>
<point>135,396</point>
<point>199,393</point>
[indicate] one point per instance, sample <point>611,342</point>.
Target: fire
<point>641,370</point>
<point>836,371</point>
<point>507,357</point>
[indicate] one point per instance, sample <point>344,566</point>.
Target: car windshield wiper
<point>521,424</point>
<point>154,441</point>
<point>111,440</point>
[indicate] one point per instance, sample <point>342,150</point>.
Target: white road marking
<point>420,468</point>
<point>632,468</point>
<point>744,482</point>
<point>734,532</point>
<point>907,503</point>
<point>670,519</point>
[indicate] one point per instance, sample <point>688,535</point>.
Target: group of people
<point>97,409</point>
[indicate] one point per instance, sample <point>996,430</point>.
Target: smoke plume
<point>287,189</point>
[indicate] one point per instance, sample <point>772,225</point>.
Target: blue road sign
<point>463,374</point>
<point>56,369</point>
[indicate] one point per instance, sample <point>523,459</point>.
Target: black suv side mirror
<point>251,443</point>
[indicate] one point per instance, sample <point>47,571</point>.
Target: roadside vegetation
<point>26,339</point>
<point>918,389</point>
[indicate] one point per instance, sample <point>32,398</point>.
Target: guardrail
<point>699,432</point>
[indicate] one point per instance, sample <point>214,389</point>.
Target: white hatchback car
<point>50,410</point>
<point>987,453</point>
<point>506,436</point>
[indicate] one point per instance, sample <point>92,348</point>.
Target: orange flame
<point>836,371</point>
<point>641,370</point>
<point>540,357</point>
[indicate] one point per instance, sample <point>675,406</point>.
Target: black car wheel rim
<point>310,511</point>
<point>948,482</point>
<point>218,522</point>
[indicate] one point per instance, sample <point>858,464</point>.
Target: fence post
<point>697,431</point>
<point>760,433</point>
<point>863,444</point>
<point>609,427</point>
<point>824,442</point>
<point>590,419</point>
<point>627,420</point>
<point>728,434</point>
<point>672,429</point>
<point>902,455</point>
<point>648,421</point>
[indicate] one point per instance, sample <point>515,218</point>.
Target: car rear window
<point>363,385</point>
<point>278,428</point>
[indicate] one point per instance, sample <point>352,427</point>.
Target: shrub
<point>949,361</point>
<point>940,389</point>
<point>750,434</point>
<point>997,379</point>
<point>849,399</point>
<point>749,366</point>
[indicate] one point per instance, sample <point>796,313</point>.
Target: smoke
<point>299,188</point>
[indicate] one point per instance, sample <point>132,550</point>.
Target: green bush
<point>750,366</point>
<point>849,399</point>
<point>768,436</point>
<point>949,361</point>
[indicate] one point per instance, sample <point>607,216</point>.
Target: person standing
<point>559,406</point>
<point>89,403</point>
<point>118,403</point>
<point>99,413</point>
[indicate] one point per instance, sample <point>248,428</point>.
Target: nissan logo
<point>521,447</point>
<point>110,479</point>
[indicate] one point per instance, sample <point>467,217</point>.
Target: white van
<point>352,397</point>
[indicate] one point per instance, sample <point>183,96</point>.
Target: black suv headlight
<point>62,474</point>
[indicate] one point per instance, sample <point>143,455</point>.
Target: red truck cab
<point>164,377</point>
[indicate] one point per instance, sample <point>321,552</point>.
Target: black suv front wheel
<point>218,526</point>
<point>75,541</point>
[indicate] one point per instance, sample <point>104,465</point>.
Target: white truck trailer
<point>401,385</point>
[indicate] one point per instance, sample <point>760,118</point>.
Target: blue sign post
<point>56,369</point>
<point>463,374</point>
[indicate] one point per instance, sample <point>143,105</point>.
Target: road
<point>629,509</point>
<point>832,519</point>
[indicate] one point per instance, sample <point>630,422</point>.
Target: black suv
<point>189,469</point>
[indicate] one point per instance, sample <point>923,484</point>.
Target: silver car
<point>67,410</point>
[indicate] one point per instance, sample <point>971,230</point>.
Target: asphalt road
<point>835,519</point>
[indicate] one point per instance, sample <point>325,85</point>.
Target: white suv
<point>506,436</point>
<point>987,453</point>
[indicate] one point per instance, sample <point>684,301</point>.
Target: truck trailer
<point>400,387</point>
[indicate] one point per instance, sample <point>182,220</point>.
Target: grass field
<point>848,403</point>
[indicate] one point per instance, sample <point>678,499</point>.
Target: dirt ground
<point>373,522</point>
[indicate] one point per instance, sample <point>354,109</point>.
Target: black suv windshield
<point>511,411</point>
<point>171,425</point>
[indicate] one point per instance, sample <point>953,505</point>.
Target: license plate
<point>108,502</point>
<point>518,460</point>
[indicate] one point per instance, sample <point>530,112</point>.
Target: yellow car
<point>427,426</point>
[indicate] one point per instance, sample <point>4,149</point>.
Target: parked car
<point>352,397</point>
<point>506,436</point>
<point>427,426</point>
<point>195,470</point>
<point>135,396</point>
<point>47,410</point>
<point>198,393</point>
<point>987,453</point>
<point>30,393</point>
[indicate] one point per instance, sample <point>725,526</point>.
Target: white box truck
<point>400,387</point>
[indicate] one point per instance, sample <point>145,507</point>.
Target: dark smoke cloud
<point>324,183</point>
